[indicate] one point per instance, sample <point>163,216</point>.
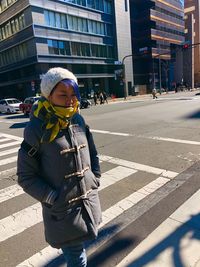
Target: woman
<point>58,165</point>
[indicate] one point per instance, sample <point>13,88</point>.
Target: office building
<point>192,36</point>
<point>80,35</point>
<point>156,25</point>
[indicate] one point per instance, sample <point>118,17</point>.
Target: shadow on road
<point>194,115</point>
<point>17,116</point>
<point>173,241</point>
<point>18,125</point>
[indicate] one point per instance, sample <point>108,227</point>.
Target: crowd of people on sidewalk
<point>101,97</point>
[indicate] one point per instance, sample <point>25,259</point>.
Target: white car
<point>9,105</point>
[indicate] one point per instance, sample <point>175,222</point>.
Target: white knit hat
<point>53,77</point>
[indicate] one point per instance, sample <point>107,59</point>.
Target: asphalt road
<point>140,141</point>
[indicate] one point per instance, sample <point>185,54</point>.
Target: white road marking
<point>47,254</point>
<point>11,136</point>
<point>112,133</point>
<point>173,140</point>
<point>115,175</point>
<point>138,166</point>
<point>9,151</point>
<point>131,200</point>
<point>8,160</point>
<point>20,221</point>
<point>188,142</point>
<point>10,144</point>
<point>108,178</point>
<point>10,192</point>
<point>4,140</point>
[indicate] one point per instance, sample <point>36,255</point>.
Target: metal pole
<point>159,70</point>
<point>124,80</point>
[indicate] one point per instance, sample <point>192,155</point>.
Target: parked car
<point>26,106</point>
<point>9,105</point>
<point>85,103</point>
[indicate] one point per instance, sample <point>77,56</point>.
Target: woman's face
<point>63,95</point>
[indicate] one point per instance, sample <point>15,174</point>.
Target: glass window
<point>63,21</point>
<point>46,17</point>
<point>21,22</point>
<point>90,3</point>
<point>52,19</point>
<point>75,23</point>
<point>67,48</point>
<point>85,27</point>
<point>16,24</point>
<point>61,48</point>
<point>58,20</point>
<point>70,22</point>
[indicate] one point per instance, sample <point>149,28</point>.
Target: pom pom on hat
<point>53,77</point>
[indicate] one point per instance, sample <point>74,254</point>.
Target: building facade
<point>156,25</point>
<point>192,36</point>
<point>79,35</point>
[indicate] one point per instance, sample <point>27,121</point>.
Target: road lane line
<point>112,133</point>
<point>9,151</point>
<point>10,192</point>
<point>50,253</point>
<point>173,140</point>
<point>138,166</point>
<point>188,142</point>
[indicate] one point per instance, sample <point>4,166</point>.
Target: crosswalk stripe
<point>10,144</point>
<point>108,178</point>
<point>131,200</point>
<point>20,221</point>
<point>8,160</point>
<point>41,258</point>
<point>114,175</point>
<point>11,136</point>
<point>10,192</point>
<point>12,226</point>
<point>108,215</point>
<point>4,140</point>
<point>9,151</point>
<point>138,166</point>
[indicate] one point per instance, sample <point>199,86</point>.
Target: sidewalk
<point>148,96</point>
<point>174,243</point>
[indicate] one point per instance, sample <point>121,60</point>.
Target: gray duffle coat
<point>68,167</point>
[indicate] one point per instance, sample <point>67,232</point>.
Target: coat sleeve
<point>93,154</point>
<point>28,171</point>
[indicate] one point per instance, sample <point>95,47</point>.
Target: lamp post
<point>124,75</point>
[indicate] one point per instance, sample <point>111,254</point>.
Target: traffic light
<point>185,46</point>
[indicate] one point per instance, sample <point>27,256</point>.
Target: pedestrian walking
<point>154,93</point>
<point>95,99</point>
<point>58,165</point>
<point>105,97</point>
<point>101,98</point>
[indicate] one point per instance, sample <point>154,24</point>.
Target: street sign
<point>117,62</point>
<point>142,49</point>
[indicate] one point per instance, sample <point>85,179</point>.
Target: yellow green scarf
<point>54,117</point>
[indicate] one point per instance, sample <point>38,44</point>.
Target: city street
<point>150,187</point>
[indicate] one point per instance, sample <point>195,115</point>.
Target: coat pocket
<point>66,226</point>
